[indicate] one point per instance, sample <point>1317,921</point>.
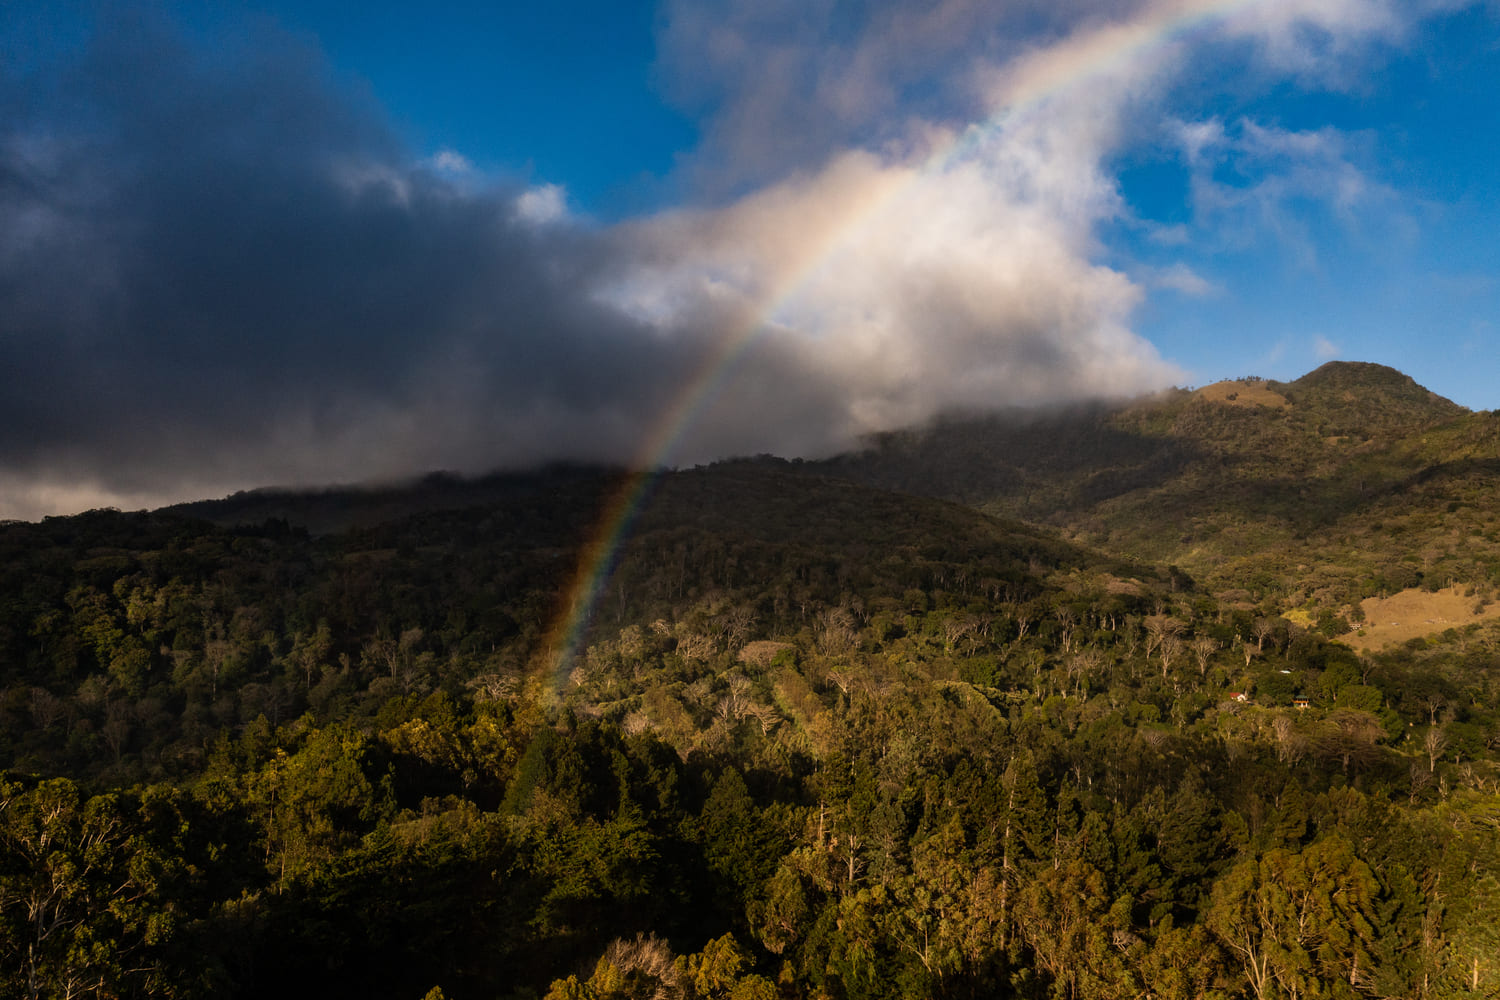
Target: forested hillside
<point>817,740</point>
<point>1351,482</point>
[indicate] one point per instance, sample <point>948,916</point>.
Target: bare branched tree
<point>1158,628</point>
<point>1263,629</point>
<point>1434,744</point>
<point>840,632</point>
<point>492,687</point>
<point>767,716</point>
<point>696,646</point>
<point>46,707</point>
<point>635,723</point>
<point>1081,666</point>
<point>1168,649</point>
<point>1204,647</point>
<point>1420,780</point>
<point>736,624</point>
<point>1291,744</point>
<point>956,627</point>
<point>647,966</point>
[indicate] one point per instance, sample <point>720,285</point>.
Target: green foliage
<point>85,899</point>
<point>1304,922</point>
<point>816,739</point>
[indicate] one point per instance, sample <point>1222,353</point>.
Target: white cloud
<point>785,84</point>
<point>543,205</point>
<point>1325,349</point>
<point>1252,180</point>
<point>1324,42</point>
<point>961,278</point>
<point>1183,279</point>
<point>1200,141</point>
<point>1174,235</point>
<point>450,161</point>
<point>919,263</point>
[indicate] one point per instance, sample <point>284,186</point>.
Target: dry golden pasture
<point>1393,620</point>
<point>1242,392</point>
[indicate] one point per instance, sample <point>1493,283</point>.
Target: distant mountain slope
<point>502,571</point>
<point>1351,481</point>
<point>1354,397</point>
<point>324,510</point>
<point>761,500</point>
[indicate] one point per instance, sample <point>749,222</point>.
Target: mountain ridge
<point>1226,479</point>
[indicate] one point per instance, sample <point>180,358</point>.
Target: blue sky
<point>1408,276</point>
<point>255,242</point>
<point>560,92</point>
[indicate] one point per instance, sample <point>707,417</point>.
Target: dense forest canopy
<point>819,739</point>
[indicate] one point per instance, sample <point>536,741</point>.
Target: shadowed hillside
<point>339,508</point>
<point>1286,491</point>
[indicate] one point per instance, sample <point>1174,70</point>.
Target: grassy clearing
<point>1413,613</point>
<point>1243,392</point>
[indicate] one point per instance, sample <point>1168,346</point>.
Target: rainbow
<point>1047,72</point>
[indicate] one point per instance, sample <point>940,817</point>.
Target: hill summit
<point>1359,394</point>
<point>1232,481</point>
<point>1366,376</point>
<point>1355,397</point>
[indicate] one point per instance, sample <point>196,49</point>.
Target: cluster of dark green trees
<point>820,741</point>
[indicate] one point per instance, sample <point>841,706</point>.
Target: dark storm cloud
<point>219,268</point>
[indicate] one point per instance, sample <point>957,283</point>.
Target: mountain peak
<point>1364,396</point>
<point>1357,374</point>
